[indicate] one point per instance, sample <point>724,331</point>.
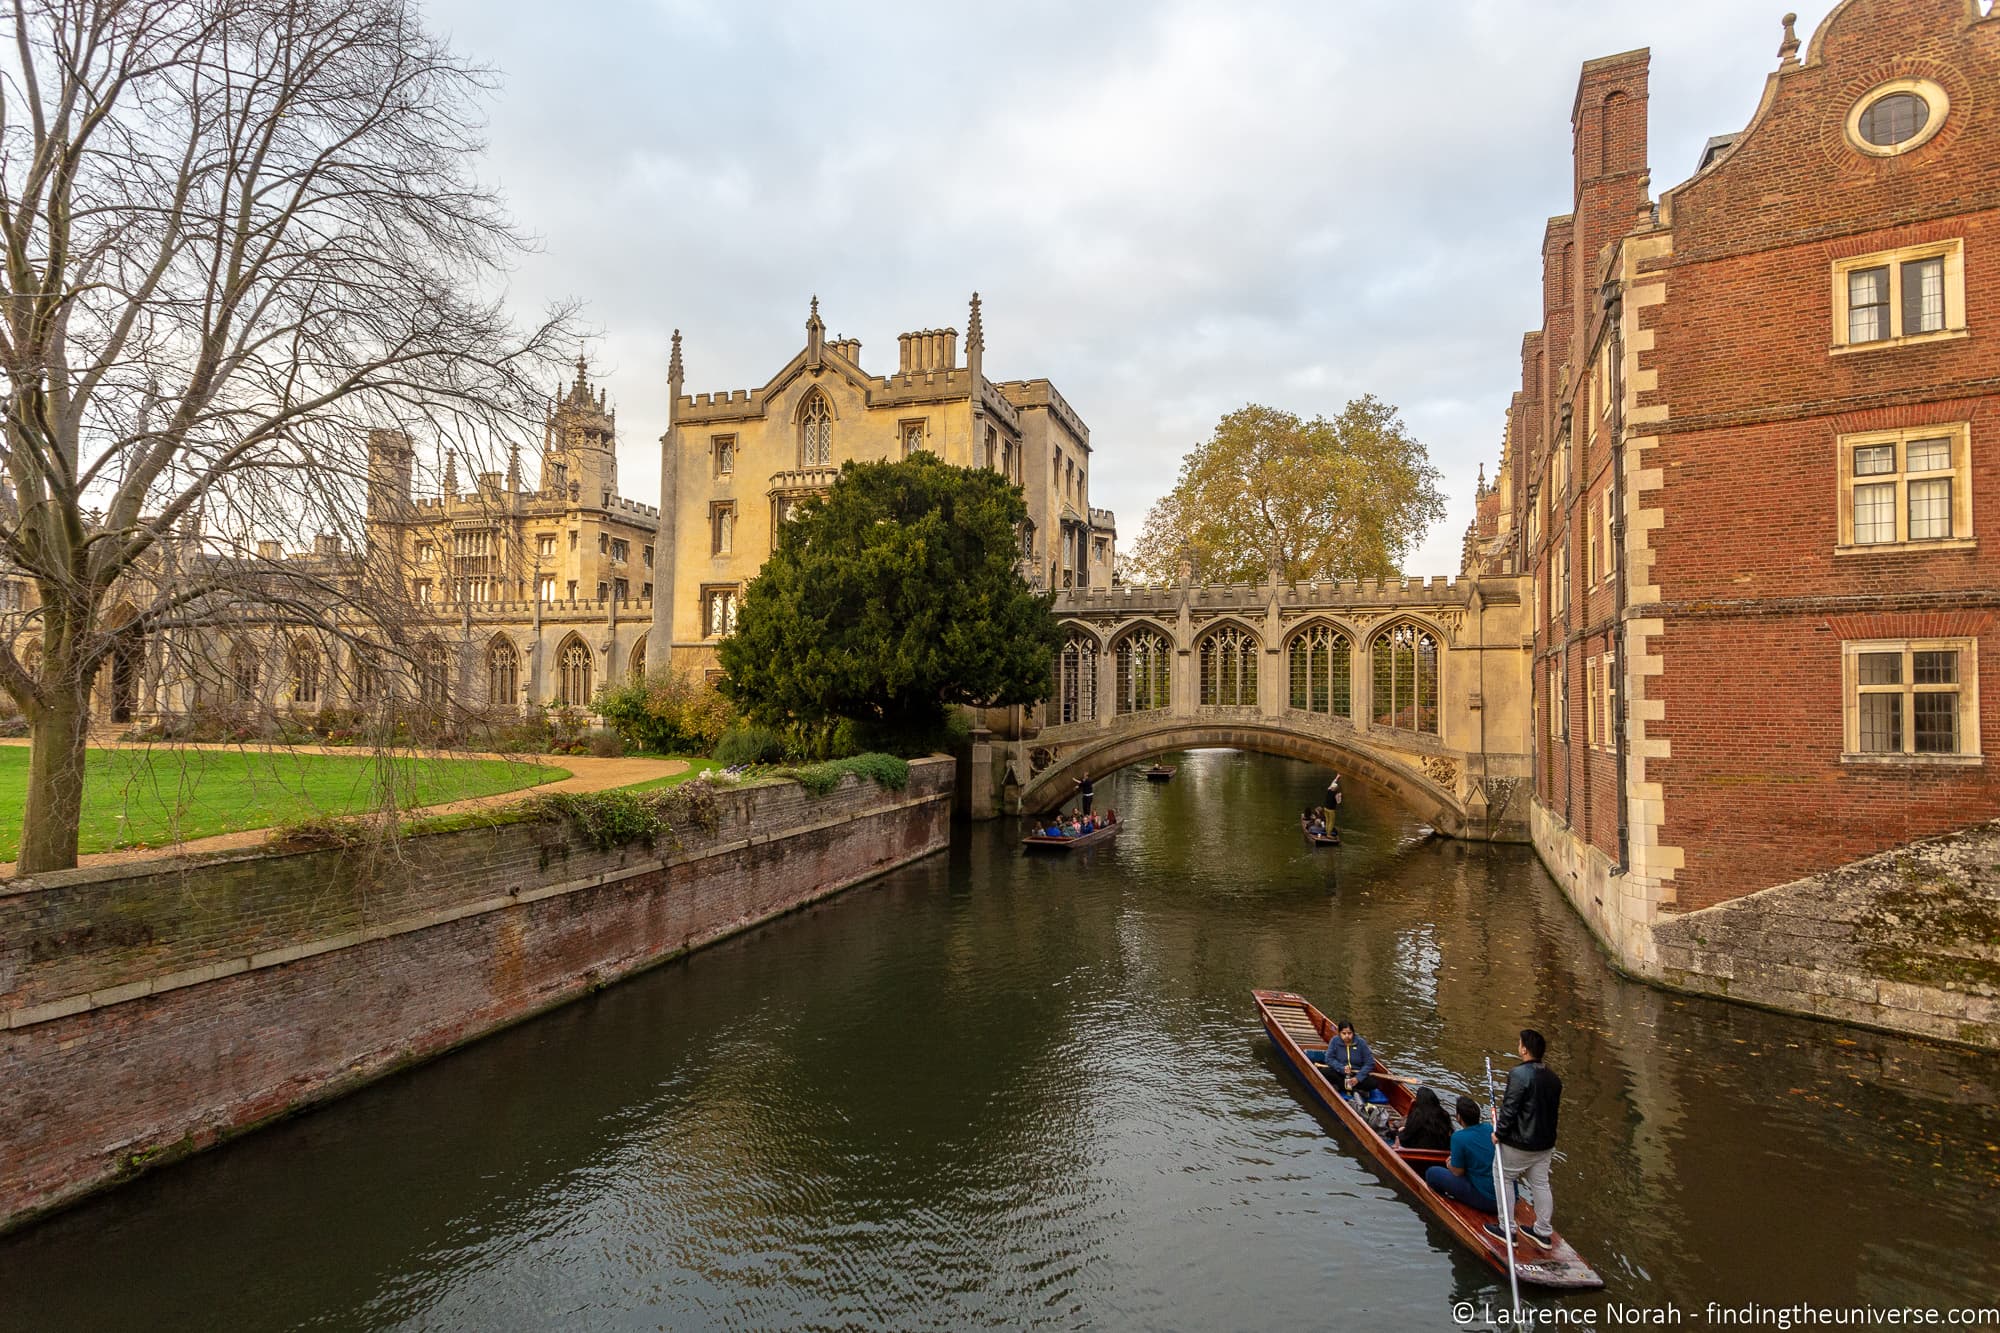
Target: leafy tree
<point>891,599</point>
<point>1319,499</point>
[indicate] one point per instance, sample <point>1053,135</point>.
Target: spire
<point>1482,480</point>
<point>513,467</point>
<point>1788,49</point>
<point>975,346</point>
<point>580,391</point>
<point>815,339</point>
<point>674,377</point>
<point>450,475</point>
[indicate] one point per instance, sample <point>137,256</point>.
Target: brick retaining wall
<point>146,1013</point>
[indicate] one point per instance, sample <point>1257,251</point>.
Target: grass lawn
<point>694,766</point>
<point>152,797</point>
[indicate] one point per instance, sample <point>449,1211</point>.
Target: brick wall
<point>1908,940</point>
<point>143,1015</point>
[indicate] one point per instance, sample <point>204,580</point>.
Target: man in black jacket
<point>1526,1133</point>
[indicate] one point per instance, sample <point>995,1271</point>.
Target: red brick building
<point>1754,469</point>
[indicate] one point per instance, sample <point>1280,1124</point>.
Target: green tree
<point>1319,499</point>
<point>889,600</point>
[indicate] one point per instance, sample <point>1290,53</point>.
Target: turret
<point>390,468</point>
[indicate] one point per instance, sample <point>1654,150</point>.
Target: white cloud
<point>1170,209</point>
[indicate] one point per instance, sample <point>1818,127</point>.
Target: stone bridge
<point>1415,687</point>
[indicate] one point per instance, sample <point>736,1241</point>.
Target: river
<point>989,1091</point>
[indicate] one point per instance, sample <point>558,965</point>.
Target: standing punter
<point>1085,791</point>
<point>1333,799</point>
<point>1526,1133</point>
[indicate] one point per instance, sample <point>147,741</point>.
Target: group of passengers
<point>1525,1139</point>
<point>1075,826</point>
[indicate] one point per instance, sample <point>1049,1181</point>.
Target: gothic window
<point>1145,671</point>
<point>1322,666</point>
<point>503,673</point>
<point>718,611</point>
<point>1076,679</point>
<point>367,676</point>
<point>721,527</point>
<point>1028,539</point>
<point>243,673</point>
<point>434,674</point>
<point>638,664</point>
<point>1405,661</point>
<point>913,437</point>
<point>815,433</point>
<point>573,673</point>
<point>1228,667</point>
<point>304,663</point>
<point>725,455</point>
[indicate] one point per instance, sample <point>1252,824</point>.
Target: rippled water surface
<point>993,1092</point>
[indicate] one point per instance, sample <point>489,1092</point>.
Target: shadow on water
<point>993,1090</point>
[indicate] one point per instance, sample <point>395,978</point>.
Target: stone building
<point>536,594</point>
<point>734,462</point>
<point>1751,471</point>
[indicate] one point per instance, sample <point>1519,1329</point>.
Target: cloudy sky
<point>1170,209</point>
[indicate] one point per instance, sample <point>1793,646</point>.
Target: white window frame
<point>1967,689</point>
<point>1959,435</point>
<point>1953,254</point>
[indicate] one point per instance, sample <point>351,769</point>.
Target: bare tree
<point>238,234</point>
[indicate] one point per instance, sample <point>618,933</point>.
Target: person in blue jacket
<point>1468,1176</point>
<point>1349,1062</point>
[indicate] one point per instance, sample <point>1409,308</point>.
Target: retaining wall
<point>1908,940</point>
<point>146,1012</point>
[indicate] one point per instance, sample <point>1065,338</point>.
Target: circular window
<point>1888,121</point>
<point>1897,117</point>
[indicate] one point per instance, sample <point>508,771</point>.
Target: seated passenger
<point>1427,1125</point>
<point>1468,1177</point>
<point>1349,1062</point>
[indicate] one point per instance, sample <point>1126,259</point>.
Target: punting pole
<point>1503,1197</point>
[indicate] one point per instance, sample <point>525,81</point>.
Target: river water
<point>996,1092</point>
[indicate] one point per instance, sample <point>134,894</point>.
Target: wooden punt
<point>1296,1027</point>
<point>1043,842</point>
<point>1159,773</point>
<point>1330,838</point>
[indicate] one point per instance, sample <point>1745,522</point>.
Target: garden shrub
<point>672,711</point>
<point>885,770</point>
<point>746,743</point>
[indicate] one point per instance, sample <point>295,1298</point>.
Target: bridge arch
<point>1436,802</point>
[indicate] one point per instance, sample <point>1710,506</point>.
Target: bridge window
<point>1406,679</point>
<point>1323,672</point>
<point>1229,668</point>
<point>1076,680</point>
<point>1145,672</point>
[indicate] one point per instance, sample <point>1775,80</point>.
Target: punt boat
<point>1297,1027</point>
<point>1043,842</point>
<point>1159,773</point>
<point>1329,838</point>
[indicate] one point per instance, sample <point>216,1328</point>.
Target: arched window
<point>1228,667</point>
<point>638,670</point>
<point>1076,679</point>
<point>1145,671</point>
<point>1405,679</point>
<point>503,673</point>
<point>573,673</point>
<point>243,673</point>
<point>815,432</point>
<point>434,674</point>
<point>304,662</point>
<point>1322,669</point>
<point>367,674</point>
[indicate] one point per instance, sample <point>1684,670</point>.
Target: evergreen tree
<point>891,599</point>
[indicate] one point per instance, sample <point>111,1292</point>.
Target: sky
<point>1168,209</point>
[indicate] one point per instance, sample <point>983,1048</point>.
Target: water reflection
<point>998,1091</point>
